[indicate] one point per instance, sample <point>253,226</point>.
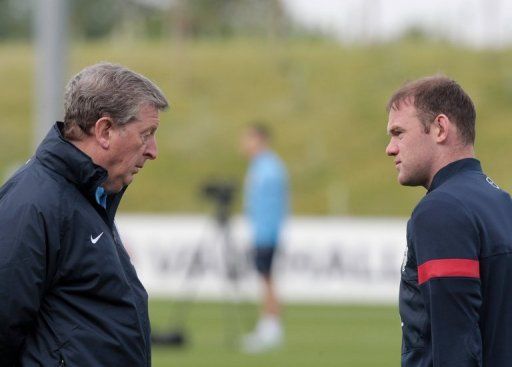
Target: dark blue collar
<point>450,170</point>
<point>59,155</point>
<point>62,157</point>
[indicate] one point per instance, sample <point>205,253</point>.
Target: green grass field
<point>321,336</point>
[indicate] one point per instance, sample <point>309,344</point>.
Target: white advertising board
<point>321,259</point>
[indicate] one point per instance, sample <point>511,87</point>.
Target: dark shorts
<point>263,259</point>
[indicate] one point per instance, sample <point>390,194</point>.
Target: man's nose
<point>151,149</point>
<point>392,149</point>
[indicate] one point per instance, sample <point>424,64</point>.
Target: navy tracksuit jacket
<point>456,286</point>
<point>69,295</point>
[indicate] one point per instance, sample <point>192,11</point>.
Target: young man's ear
<point>102,131</point>
<point>441,125</point>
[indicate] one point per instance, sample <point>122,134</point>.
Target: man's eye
<point>145,136</point>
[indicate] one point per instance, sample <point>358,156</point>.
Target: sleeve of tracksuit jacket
<point>22,275</point>
<point>446,243</point>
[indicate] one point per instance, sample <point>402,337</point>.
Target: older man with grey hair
<point>69,295</point>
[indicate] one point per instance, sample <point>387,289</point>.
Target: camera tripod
<point>232,271</point>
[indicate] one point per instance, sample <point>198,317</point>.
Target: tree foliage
<point>96,19</point>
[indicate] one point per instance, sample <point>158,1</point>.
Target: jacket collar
<point>450,170</point>
<point>59,155</point>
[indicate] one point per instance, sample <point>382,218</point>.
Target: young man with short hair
<point>455,286</point>
<point>266,207</point>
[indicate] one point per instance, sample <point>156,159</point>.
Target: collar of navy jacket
<point>448,171</point>
<point>58,154</point>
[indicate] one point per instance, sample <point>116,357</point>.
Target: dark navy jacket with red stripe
<point>456,287</point>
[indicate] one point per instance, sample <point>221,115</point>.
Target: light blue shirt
<point>266,197</point>
<point>101,197</point>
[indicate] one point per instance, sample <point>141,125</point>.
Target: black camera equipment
<point>221,192</point>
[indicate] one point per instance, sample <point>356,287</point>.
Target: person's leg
<point>264,259</point>
<point>269,325</point>
<point>268,332</point>
<point>271,305</point>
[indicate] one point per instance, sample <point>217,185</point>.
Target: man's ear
<point>103,131</point>
<point>442,126</point>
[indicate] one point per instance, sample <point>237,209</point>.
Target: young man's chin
<point>405,181</point>
<point>401,180</point>
<point>408,181</point>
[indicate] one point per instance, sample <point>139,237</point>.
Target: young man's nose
<point>391,149</point>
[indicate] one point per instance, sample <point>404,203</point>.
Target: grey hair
<point>106,89</point>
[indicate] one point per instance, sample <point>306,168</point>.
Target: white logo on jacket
<point>404,261</point>
<point>96,239</point>
<point>491,182</point>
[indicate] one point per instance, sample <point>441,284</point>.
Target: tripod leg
<point>232,313</point>
<point>176,335</point>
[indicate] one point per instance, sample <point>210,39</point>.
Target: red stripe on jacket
<point>441,268</point>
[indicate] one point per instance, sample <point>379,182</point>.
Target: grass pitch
<point>320,336</point>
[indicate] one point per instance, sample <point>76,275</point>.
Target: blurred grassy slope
<point>325,103</point>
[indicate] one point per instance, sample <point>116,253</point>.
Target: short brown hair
<point>261,129</point>
<point>438,94</point>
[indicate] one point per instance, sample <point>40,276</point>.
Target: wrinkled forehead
<point>148,114</point>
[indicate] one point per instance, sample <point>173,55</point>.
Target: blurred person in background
<point>455,286</point>
<point>266,207</point>
<point>69,295</point>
